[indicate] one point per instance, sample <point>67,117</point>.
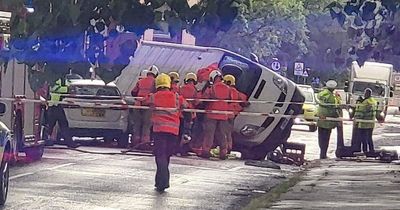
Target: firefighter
<point>141,117</point>
<point>174,81</point>
<point>189,91</point>
<point>235,107</point>
<point>366,110</point>
<point>216,124</point>
<point>56,114</point>
<point>328,107</point>
<point>165,126</point>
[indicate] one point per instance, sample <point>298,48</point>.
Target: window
<point>377,89</point>
<point>245,72</point>
<point>92,90</point>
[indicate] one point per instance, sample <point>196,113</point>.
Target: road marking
<point>236,168</point>
<point>20,175</point>
<point>60,166</point>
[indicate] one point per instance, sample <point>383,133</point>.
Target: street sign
<point>298,69</point>
<point>276,66</point>
<point>305,73</point>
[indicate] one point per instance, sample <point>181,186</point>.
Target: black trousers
<point>323,140</point>
<point>355,139</point>
<point>56,114</point>
<point>164,146</point>
<point>365,135</point>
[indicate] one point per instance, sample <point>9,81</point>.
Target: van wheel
<point>312,128</point>
<point>34,153</point>
<point>123,140</point>
<point>4,177</point>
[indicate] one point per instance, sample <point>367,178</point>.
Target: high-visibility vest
<point>366,110</point>
<point>218,91</point>
<point>189,91</point>
<point>167,121</point>
<point>327,107</point>
<point>144,87</point>
<point>234,106</point>
<point>56,92</point>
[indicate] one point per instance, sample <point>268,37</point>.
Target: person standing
<point>56,114</point>
<point>230,80</point>
<point>174,81</point>
<point>216,124</point>
<point>328,107</point>
<point>165,126</point>
<point>366,110</point>
<point>141,117</point>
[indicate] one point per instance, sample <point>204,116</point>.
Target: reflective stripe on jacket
<point>166,121</point>
<point>327,107</point>
<point>366,110</point>
<point>219,91</point>
<point>56,92</point>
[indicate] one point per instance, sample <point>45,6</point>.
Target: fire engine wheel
<point>5,175</point>
<point>34,153</point>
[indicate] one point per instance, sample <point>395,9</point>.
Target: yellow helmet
<point>163,81</point>
<point>230,78</point>
<point>190,76</point>
<point>174,76</point>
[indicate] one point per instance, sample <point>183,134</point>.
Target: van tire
<point>5,175</point>
<point>34,153</point>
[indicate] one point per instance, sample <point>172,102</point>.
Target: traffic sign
<point>305,73</point>
<point>276,66</point>
<point>298,69</point>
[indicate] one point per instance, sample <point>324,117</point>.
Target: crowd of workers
<point>366,111</point>
<point>204,130</point>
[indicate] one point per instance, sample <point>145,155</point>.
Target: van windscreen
<point>245,72</point>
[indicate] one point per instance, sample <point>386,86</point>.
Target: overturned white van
<point>254,136</point>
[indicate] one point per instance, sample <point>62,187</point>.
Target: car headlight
<point>280,83</point>
<point>250,130</point>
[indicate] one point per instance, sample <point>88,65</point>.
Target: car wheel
<point>34,153</point>
<point>123,140</point>
<point>312,128</point>
<point>4,177</point>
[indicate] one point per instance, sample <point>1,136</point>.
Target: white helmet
<point>153,70</point>
<point>143,73</point>
<point>215,74</point>
<point>331,84</point>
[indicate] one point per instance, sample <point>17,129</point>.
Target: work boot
<point>223,154</point>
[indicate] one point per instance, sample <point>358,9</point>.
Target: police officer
<point>56,114</point>
<point>165,126</point>
<point>141,117</point>
<point>328,107</point>
<point>366,110</point>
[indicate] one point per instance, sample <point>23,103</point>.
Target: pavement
<point>339,184</point>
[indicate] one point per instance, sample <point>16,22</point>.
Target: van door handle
<point>260,89</point>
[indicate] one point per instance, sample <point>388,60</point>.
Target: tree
<point>53,37</point>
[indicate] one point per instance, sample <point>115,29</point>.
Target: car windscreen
<point>91,90</point>
<point>377,89</point>
<point>246,73</point>
<point>309,96</point>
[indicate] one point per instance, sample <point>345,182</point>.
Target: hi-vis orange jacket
<point>219,91</point>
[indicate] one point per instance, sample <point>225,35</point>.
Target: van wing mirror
<point>2,108</point>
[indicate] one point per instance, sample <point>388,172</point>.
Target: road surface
<point>68,179</point>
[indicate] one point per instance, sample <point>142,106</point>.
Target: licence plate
<point>88,112</point>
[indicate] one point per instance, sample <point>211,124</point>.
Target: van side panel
<point>182,60</point>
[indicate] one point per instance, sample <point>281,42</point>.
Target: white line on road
<point>20,175</point>
<point>235,169</point>
<point>60,166</point>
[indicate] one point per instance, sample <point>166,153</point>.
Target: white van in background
<point>254,136</point>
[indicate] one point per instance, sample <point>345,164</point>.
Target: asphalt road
<point>68,179</point>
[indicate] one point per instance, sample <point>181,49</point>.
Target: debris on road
<point>289,153</point>
<point>262,164</point>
